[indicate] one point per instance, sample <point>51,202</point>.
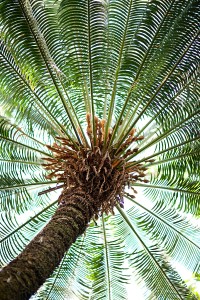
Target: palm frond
<point>16,146</point>
<point>64,275</point>
<point>106,267</point>
<point>91,267</point>
<point>135,64</point>
<point>150,262</point>
<point>170,230</point>
<point>23,96</point>
<point>15,236</point>
<point>184,195</point>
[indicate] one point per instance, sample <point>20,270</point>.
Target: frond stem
<point>107,259</point>
<point>20,186</point>
<point>112,102</point>
<point>171,158</point>
<point>90,74</point>
<point>21,162</point>
<point>24,145</point>
<point>165,188</point>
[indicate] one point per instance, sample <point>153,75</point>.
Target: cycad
<point>100,102</point>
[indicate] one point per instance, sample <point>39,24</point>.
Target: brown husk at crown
<point>100,173</point>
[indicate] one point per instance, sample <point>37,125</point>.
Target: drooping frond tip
<point>101,173</point>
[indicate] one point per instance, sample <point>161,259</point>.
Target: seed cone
<point>98,172</point>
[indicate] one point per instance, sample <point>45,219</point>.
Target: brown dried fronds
<point>96,171</point>
<point>100,131</point>
<point>103,123</point>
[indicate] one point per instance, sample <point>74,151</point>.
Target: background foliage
<point>134,63</point>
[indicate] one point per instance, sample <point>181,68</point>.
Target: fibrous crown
<point>98,171</point>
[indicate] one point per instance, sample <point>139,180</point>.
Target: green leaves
<point>135,64</point>
<point>171,230</point>
<point>152,264</point>
<point>15,235</point>
<point>93,268</point>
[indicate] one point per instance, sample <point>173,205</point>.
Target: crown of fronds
<point>100,171</point>
<point>134,64</point>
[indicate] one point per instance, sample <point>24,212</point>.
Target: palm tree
<point>99,102</point>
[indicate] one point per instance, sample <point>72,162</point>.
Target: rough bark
<point>25,274</point>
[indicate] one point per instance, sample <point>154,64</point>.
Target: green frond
<point>47,79</point>
<point>176,191</point>
<point>106,265</point>
<point>152,97</point>
<point>151,264</point>
<point>83,25</point>
<point>93,267</point>
<point>183,98</point>
<point>19,196</point>
<point>15,235</point>
<point>174,135</point>
<point>171,230</point>
<point>20,157</point>
<point>23,97</point>
<point>64,275</point>
<point>14,139</point>
<point>103,268</point>
<point>162,276</point>
<point>135,64</point>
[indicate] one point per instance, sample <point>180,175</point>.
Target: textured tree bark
<point>25,274</point>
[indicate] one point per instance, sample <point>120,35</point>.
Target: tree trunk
<point>25,274</point>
